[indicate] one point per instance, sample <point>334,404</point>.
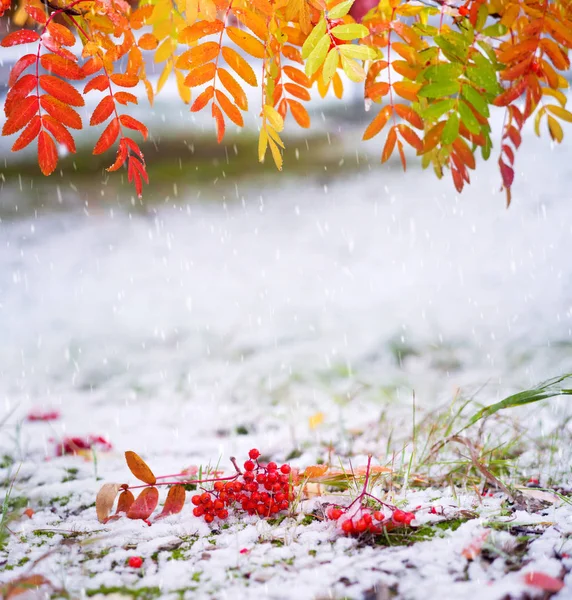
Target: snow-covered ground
<point>197,331</point>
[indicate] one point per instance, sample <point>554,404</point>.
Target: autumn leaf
<point>139,468</point>
<point>174,502</point>
<point>145,504</point>
<point>105,499</point>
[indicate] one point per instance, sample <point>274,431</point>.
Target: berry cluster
<point>262,490</point>
<point>365,520</point>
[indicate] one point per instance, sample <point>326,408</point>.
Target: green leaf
<point>353,70</point>
<point>423,29</point>
<point>453,52</point>
<point>439,89</point>
<point>314,37</point>
<point>318,55</point>
<point>469,120</point>
<point>471,95</point>
<point>451,130</point>
<point>434,111</point>
<point>443,72</point>
<point>350,31</point>
<point>359,52</point>
<point>482,16</point>
<point>483,75</point>
<point>486,149</point>
<point>496,30</point>
<point>340,10</point>
<point>546,389</point>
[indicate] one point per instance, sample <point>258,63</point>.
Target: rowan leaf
<point>201,75</point>
<point>315,36</point>
<point>360,52</point>
<point>198,55</point>
<point>102,111</point>
<point>124,79</point>
<point>105,497</point>
<point>60,111</point>
<point>23,36</point>
<point>234,88</point>
<point>560,112</point>
<point>99,82</point>
<point>61,34</point>
<point>299,113</point>
<point>439,89</point>
<point>138,466</point>
<point>148,499</point>
<point>174,502</point>
<point>349,31</point>
<point>19,67</point>
<point>59,131</point>
<point>125,97</point>
<point>274,118</point>
<point>27,108</point>
<point>239,65</point>
<point>297,76</point>
<point>29,134</point>
<point>378,123</point>
<point>318,55</point>
<point>451,129</point>
<point>219,122</point>
<point>389,145</point>
<point>246,42</point>
<point>62,90</point>
<point>126,499</point>
<point>64,67</point>
<point>340,10</point>
<point>203,99</point>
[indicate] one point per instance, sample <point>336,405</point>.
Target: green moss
<point>44,533</point>
<point>190,487</point>
<point>296,453</point>
<point>23,561</point>
<point>241,430</point>
<point>16,503</point>
<point>71,475</point>
<point>61,500</point>
<point>196,576</point>
<point>308,520</point>
<point>6,462</point>
<point>177,554</point>
<point>312,552</point>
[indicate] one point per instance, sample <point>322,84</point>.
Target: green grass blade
<point>546,389</point>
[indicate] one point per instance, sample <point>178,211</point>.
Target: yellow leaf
<point>164,51</point>
<point>273,117</point>
<point>262,144</point>
<point>315,420</point>
<point>330,65</point>
<point>353,70</point>
<point>184,91</point>
<point>560,112</point>
<point>318,55</point>
<point>191,11</point>
<point>360,52</point>
<point>314,37</point>
<point>274,136</point>
<point>275,154</point>
<point>350,31</point>
<point>246,42</point>
<point>164,75</point>
<point>555,129</point>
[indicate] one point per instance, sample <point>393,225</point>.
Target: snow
<point>170,333</point>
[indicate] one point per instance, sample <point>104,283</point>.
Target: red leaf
<point>61,90</point>
<point>101,83</point>
<point>21,89</point>
<point>61,112</point>
<point>507,174</point>
<point>23,36</point>
<point>108,137</point>
<point>93,65</point>
<point>134,148</point>
<point>37,14</point>
<point>135,173</point>
<point>174,502</point>
<point>145,504</point>
<point>121,156</point>
<point>102,111</point>
<point>21,65</point>
<point>132,123</point>
<point>47,153</point>
<point>37,415</point>
<point>543,581</point>
<point>61,66</point>
<point>62,135</point>
<point>27,108</point>
<point>124,80</point>
<point>125,98</point>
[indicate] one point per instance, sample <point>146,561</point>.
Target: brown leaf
<point>22,585</point>
<point>145,504</point>
<point>105,499</point>
<point>139,468</point>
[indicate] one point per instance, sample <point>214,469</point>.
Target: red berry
<point>222,514</point>
<point>196,500</point>
<point>271,466</point>
<point>361,526</point>
<point>249,465</point>
<point>209,518</point>
<point>378,515</point>
<point>408,518</point>
<point>285,469</point>
<point>261,478</point>
<point>254,454</point>
<point>399,516</point>
<point>205,498</point>
<point>348,526</point>
<point>135,562</point>
<point>199,511</point>
<point>218,486</point>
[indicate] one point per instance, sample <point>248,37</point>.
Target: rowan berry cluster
<point>262,490</point>
<point>367,521</point>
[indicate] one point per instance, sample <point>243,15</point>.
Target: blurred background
<point>230,287</point>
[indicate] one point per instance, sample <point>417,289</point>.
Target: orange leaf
<point>62,135</point>
<point>126,499</point>
<point>27,108</point>
<point>102,111</point>
<point>407,113</point>
<point>125,98</point>
<point>239,65</point>
<point>107,138</point>
<point>148,41</point>
<point>139,468</point>
<point>19,67</point>
<point>297,76</point>
<point>200,29</point>
<point>246,42</point>
<point>203,99</point>
<point>377,90</point>
<point>201,75</point>
<point>145,504</point>
<point>47,153</point>
<point>378,122</point>
<point>93,65</point>
<point>402,154</point>
<point>60,111</point>
<point>299,113</point>
<point>233,88</point>
<point>100,83</point>
<point>219,121</point>
<point>23,36</point>
<point>37,14</point>
<point>120,159</point>
<point>61,34</point>
<point>136,125</point>
<point>20,90</point>
<point>292,54</point>
<point>464,152</point>
<point>297,90</point>
<point>29,134</point>
<point>410,137</point>
<point>199,55</point>
<point>124,79</point>
<point>61,90</point>
<point>229,108</point>
<point>58,65</point>
<point>315,471</point>
<point>174,502</point>
<point>433,137</point>
<point>389,145</point>
<point>407,90</point>
<point>511,94</point>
